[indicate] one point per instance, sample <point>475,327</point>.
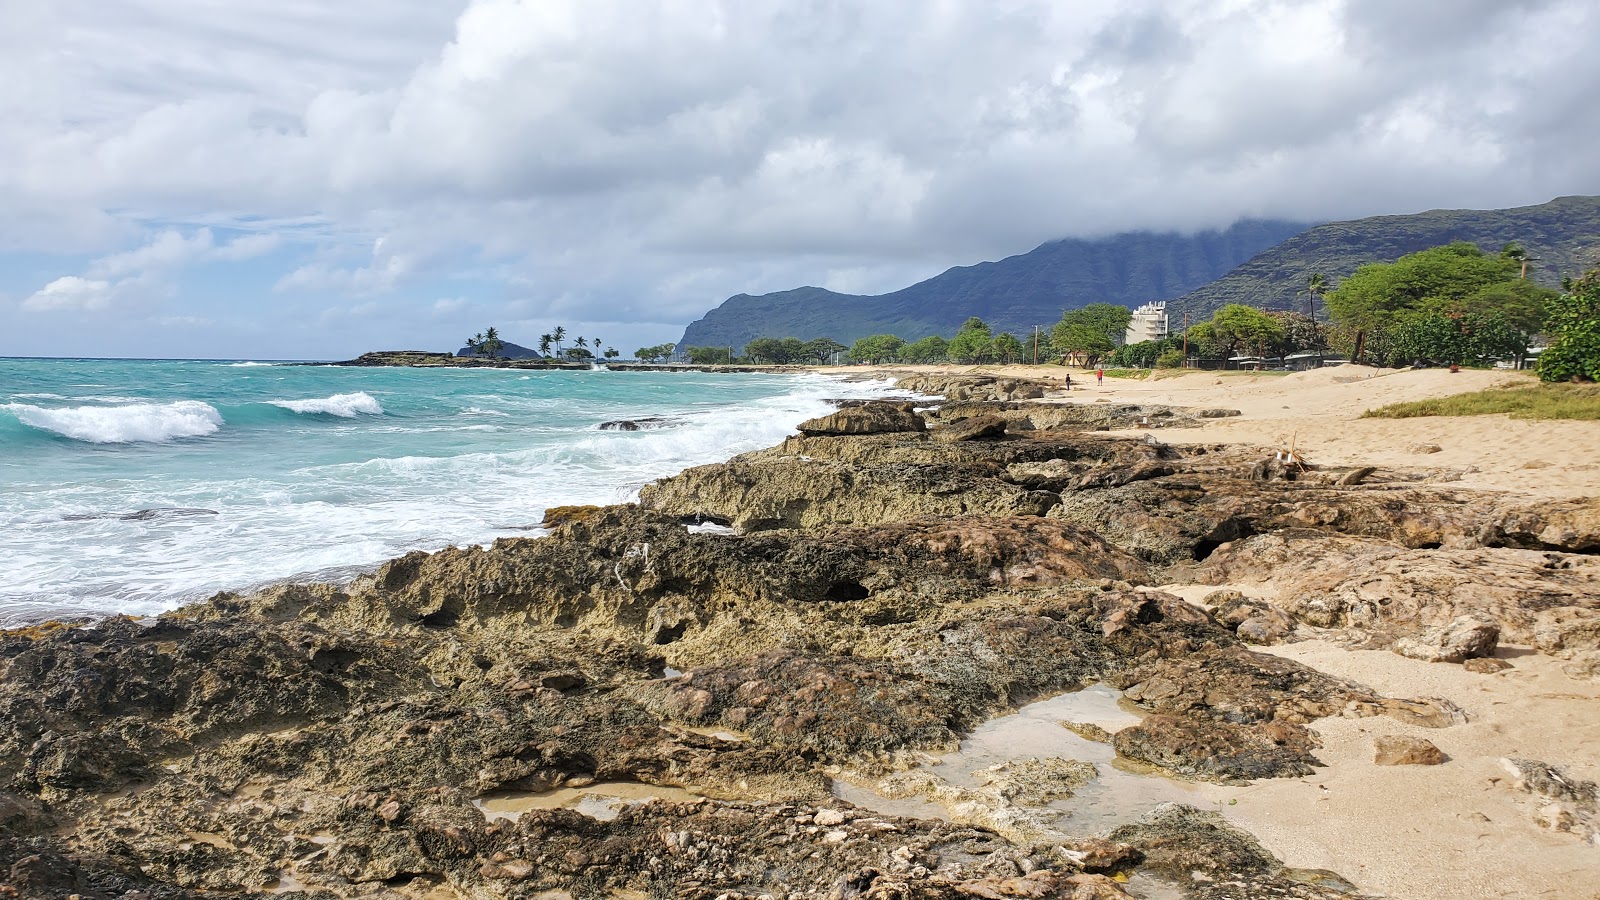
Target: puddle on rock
<point>962,786</point>
<point>597,801</point>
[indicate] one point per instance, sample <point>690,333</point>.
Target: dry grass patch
<point>1538,401</point>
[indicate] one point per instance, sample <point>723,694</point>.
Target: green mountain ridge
<point>1013,294</point>
<point>1563,234</point>
<point>1260,263</point>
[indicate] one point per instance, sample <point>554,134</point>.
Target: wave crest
<point>151,423</point>
<point>345,406</point>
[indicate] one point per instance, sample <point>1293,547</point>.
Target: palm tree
<point>475,343</point>
<point>1316,286</point>
<point>1517,254</point>
<point>544,344</point>
<point>559,335</point>
<point>492,345</point>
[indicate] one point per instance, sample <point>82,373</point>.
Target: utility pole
<point>1185,339</point>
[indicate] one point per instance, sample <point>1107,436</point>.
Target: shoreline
<point>865,563</point>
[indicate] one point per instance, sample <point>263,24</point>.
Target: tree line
<point>1081,334</point>
<point>551,344</point>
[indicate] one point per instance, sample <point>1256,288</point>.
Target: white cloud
<point>144,269</point>
<point>634,159</point>
<point>71,293</point>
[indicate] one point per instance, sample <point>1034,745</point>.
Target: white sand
<point>1450,831</point>
<point>1319,413</point>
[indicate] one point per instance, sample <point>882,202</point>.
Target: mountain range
<point>1262,263</point>
<point>1563,237</point>
<point>1013,294</point>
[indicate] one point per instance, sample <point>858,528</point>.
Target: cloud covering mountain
<point>308,179</point>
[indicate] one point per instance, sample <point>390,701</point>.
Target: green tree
<point>1008,348</point>
<point>878,348</point>
<point>544,344</point>
<point>1522,303</point>
<point>1573,324</point>
<point>475,344</point>
<point>1237,327</point>
<point>931,349</point>
<point>767,350</point>
<point>654,354</point>
<point>794,350</point>
<point>1079,343</point>
<point>708,356</point>
<point>559,335</point>
<point>1108,319</point>
<point>1170,359</point>
<point>1380,295</point>
<point>491,344</point>
<point>612,353</point>
<point>1142,355</point>
<point>972,343</point>
<point>822,350</point>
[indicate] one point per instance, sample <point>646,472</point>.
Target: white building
<point>1149,323</point>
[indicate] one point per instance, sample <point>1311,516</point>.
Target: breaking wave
<point>134,423</point>
<point>345,406</point>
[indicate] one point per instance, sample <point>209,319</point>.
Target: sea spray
<point>133,423</point>
<point>442,457</point>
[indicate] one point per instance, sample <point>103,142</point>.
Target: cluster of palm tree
<point>580,349</point>
<point>486,343</point>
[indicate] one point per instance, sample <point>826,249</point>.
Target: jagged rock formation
<point>886,593</point>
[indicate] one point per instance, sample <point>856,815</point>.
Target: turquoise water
<point>133,486</point>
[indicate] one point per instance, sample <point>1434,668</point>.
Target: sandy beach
<point>1422,832</point>
<point>1319,414</point>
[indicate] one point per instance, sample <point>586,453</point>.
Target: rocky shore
<point>843,607</point>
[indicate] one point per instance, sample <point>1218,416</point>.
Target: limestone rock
<point>1463,638</point>
<point>977,428</point>
<point>1486,665</point>
<point>1584,666</point>
<point>1425,448</point>
<point>1402,750</point>
<point>766,493</point>
<point>1088,731</point>
<point>1566,803</point>
<point>1567,629</point>
<point>870,418</point>
<point>1035,782</point>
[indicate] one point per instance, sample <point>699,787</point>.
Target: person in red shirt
<point>1099,376</point>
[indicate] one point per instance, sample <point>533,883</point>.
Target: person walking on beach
<point>1069,382</point>
<point>1099,376</point>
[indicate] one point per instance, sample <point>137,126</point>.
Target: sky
<point>298,179</point>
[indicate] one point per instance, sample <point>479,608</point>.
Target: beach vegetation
<point>931,349</point>
<point>1007,348</point>
<point>709,356</point>
<point>657,353</point>
<point>1170,359</point>
<point>1522,401</point>
<point>1573,326</point>
<point>879,348</point>
<point>972,344</point>
<point>486,343</point>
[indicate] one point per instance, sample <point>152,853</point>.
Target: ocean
<point>133,486</point>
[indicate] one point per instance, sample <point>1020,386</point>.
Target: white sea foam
<point>346,406</point>
<point>246,365</point>
<point>135,423</point>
